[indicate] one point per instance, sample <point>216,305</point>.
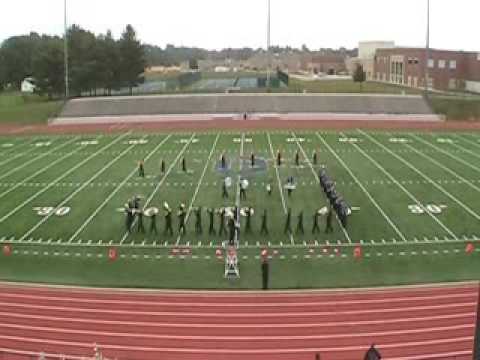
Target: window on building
<point>441,64</point>
<point>431,63</point>
<point>453,64</point>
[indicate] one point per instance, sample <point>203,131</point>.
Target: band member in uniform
<point>162,166</point>
<point>300,229</point>
<point>297,158</point>
<point>265,273</point>
<point>129,216</point>
<point>279,158</point>
<point>252,160</point>
<point>153,222</point>
<point>222,230</point>
<point>231,229</point>
<point>181,220</point>
<point>290,185</point>
<point>315,158</point>
<point>184,164</point>
<point>288,223</point>
<point>224,189</point>
<point>141,168</point>
<point>316,227</point>
<point>168,220</point>
<point>329,227</point>
<point>248,223</point>
<point>223,161</point>
<point>211,216</point>
<point>198,220</point>
<point>264,228</point>
<point>269,189</point>
<point>243,189</point>
<point>140,227</point>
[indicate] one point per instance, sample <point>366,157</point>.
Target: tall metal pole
<point>65,41</point>
<point>427,49</point>
<point>269,60</point>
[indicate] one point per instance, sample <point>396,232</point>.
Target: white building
<point>28,85</point>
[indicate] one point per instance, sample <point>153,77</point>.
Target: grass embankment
<point>455,108</point>
<point>27,109</point>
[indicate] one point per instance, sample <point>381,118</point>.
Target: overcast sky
<point>215,24</point>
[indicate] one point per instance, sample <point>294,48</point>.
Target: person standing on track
<point>141,168</point>
<point>181,220</point>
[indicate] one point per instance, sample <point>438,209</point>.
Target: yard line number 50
<point>429,208</point>
<point>48,210</point>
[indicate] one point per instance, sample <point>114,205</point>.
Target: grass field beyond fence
<point>415,201</point>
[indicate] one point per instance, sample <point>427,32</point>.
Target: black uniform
<point>264,229</point>
<point>288,222</point>
<point>168,222</point>
<point>162,167</point>
<point>184,165</point>
<point>248,223</point>
<point>243,191</point>
<point>297,159</point>
<point>153,224</point>
<point>279,158</point>
<point>223,162</point>
<point>181,221</point>
<point>329,227</point>
<point>211,216</point>
<point>252,160</point>
<point>300,229</point>
<point>265,274</point>
<point>316,227</point>
<point>140,227</point>
<point>315,158</point>
<point>231,231</point>
<point>141,169</point>
<point>198,221</point>
<point>129,217</point>
<point>222,230</point>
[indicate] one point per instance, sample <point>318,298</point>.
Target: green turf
<point>383,176</point>
<point>27,109</point>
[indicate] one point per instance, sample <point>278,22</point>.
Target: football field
<point>62,197</point>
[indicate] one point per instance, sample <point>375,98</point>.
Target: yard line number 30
<point>48,211</point>
<point>429,208</point>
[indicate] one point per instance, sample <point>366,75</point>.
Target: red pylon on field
<point>470,248</point>
<point>7,250</point>
<point>112,254</point>
<point>357,253</point>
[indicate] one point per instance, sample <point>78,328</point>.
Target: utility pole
<point>269,60</point>
<point>427,49</point>
<point>65,41</point>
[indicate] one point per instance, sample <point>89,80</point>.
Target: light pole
<point>427,49</point>
<point>269,60</point>
<point>65,44</point>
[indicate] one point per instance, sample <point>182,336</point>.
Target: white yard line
<point>410,195</point>
<point>379,208</point>
<point>190,207</point>
<point>17,185</point>
<point>15,149</point>
<point>454,157</point>
<point>25,164</point>
<point>317,179</point>
<point>280,189</point>
<point>37,194</point>
<point>159,185</point>
<point>74,193</point>
<point>114,192</point>
<point>440,188</point>
<point>463,137</point>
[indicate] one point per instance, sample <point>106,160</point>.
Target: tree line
<point>95,61</point>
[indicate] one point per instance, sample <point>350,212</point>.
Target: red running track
<point>411,323</point>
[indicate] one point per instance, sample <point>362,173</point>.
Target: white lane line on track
<point>440,188</point>
<point>18,184</point>
<point>374,202</point>
<point>190,207</point>
<point>74,193</point>
<point>410,195</point>
<point>160,183</point>
<point>317,179</point>
<point>112,194</point>
<point>243,351</point>
<point>83,162</point>
<point>280,189</point>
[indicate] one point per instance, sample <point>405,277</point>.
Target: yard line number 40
<point>429,208</point>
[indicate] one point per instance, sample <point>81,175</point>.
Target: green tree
<point>82,62</point>
<point>359,76</point>
<point>108,62</point>
<point>132,58</point>
<point>48,67</point>
<point>3,72</point>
